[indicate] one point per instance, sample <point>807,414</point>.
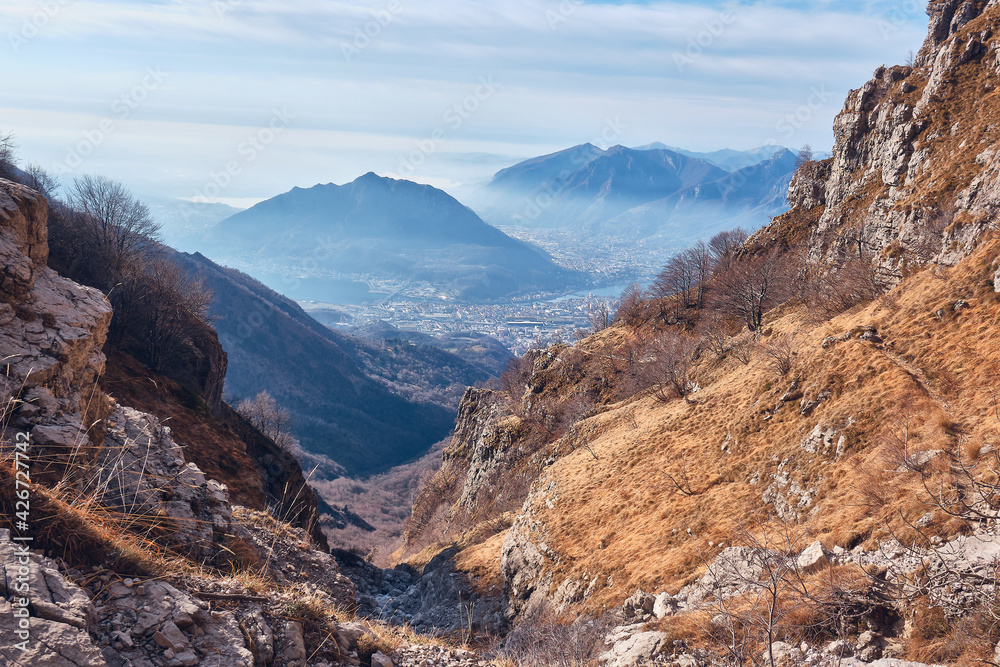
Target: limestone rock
<point>140,470</point>
<point>154,612</point>
<point>58,613</point>
<point>891,147</point>
<point>293,645</point>
<point>637,649</point>
<point>820,440</point>
<point>526,557</point>
<point>639,606</point>
<point>812,557</point>
<point>665,605</point>
<point>51,343</point>
<point>728,575</point>
<point>261,638</point>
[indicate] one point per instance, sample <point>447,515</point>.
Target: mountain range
<point>640,193</point>
<point>725,158</point>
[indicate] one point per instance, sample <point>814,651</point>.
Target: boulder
<point>664,605</point>
<point>639,606</point>
<point>637,649</point>
<point>812,557</point>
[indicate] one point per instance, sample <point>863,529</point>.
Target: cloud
<point>367,80</point>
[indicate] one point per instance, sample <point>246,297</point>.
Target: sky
<point>239,100</point>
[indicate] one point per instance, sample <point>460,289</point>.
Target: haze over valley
<point>474,333</point>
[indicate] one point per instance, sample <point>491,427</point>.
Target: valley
<point>632,405</point>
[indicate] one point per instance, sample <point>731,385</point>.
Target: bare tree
<point>853,281</point>
<point>514,380</point>
<point>170,310</point>
<point>700,257</point>
<point>40,180</point>
<point>804,156</point>
<point>767,590</point>
<point>782,351</point>
<point>267,417</point>
<point>683,281</point>
<point>600,316</point>
<point>631,306</point>
<point>680,481</point>
<point>724,246</point>
<point>754,285</point>
<point>673,286</point>
<point>673,364</point>
<point>8,154</point>
<point>743,348</point>
<point>124,229</point>
<point>715,330</point>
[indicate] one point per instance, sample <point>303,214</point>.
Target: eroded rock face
<point>526,559</point>
<point>51,334</point>
<point>141,471</point>
<point>915,175</point>
<point>486,437</point>
<point>58,617</point>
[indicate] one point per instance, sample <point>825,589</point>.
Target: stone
<point>784,654</point>
<point>839,648</point>
<point>812,557</point>
<point>819,440</point>
<point>348,635</point>
<point>381,660</point>
<point>664,605</point>
<point>59,613</point>
<point>177,641</point>
<point>919,460</point>
<point>293,648</point>
<point>638,606</point>
<point>638,649</point>
<point>124,637</point>
<point>261,636</point>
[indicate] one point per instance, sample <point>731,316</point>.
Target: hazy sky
<point>169,95</point>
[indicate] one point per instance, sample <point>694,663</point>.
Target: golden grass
<point>619,515</point>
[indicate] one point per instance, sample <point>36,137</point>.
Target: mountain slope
<point>338,410</point>
<point>855,451</point>
<point>388,229</point>
<point>743,198</point>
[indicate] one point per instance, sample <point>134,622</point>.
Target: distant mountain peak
<point>389,229</point>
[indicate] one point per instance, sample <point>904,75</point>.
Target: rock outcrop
<point>141,471</point>
<point>44,619</point>
<point>51,334</point>
<point>915,175</point>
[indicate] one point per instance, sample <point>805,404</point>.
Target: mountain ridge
<point>626,193</point>
<point>389,228</point>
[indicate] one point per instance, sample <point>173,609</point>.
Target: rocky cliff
<point>51,334</point>
<point>913,177</point>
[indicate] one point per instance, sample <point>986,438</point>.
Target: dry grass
<point>616,515</point>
